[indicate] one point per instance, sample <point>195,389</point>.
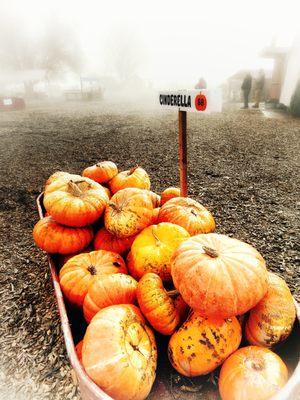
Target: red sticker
<point>200,102</point>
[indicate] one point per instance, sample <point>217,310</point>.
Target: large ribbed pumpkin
<point>119,353</point>
<point>272,319</point>
<point>153,248</point>
<point>77,275</point>
<point>219,276</point>
<point>252,373</point>
<point>105,240</point>
<point>189,214</point>
<point>101,172</point>
<point>136,177</point>
<point>109,290</point>
<point>201,344</point>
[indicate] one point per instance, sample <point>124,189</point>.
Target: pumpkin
<point>252,373</point>
<point>202,344</point>
<point>272,319</point>
<point>55,238</point>
<point>136,177</point>
<point>157,305</point>
<point>153,248</point>
<point>129,211</point>
<point>119,352</point>
<point>75,202</point>
<point>78,349</point>
<point>219,276</point>
<point>187,213</point>
<point>104,240</point>
<point>107,291</point>
<point>101,172</point>
<point>77,275</point>
<point>169,194</point>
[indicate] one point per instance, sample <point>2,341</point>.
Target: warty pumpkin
<point>219,276</point>
<point>109,290</point>
<point>202,344</point>
<point>272,319</point>
<point>77,275</point>
<point>153,248</point>
<point>169,194</point>
<point>101,172</point>
<point>252,373</point>
<point>119,352</point>
<point>136,177</point>
<point>55,238</point>
<point>105,240</point>
<point>189,214</point>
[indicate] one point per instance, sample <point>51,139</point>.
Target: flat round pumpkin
<point>101,172</point>
<point>135,177</point>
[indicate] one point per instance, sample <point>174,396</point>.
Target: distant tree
<point>295,101</point>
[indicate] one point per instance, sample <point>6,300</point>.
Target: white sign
<point>7,102</point>
<point>192,100</point>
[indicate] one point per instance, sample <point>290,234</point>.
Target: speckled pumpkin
<point>272,319</point>
<point>153,248</point>
<point>101,172</point>
<point>105,240</point>
<point>136,177</point>
<point>189,214</point>
<point>202,344</point>
<point>169,194</point>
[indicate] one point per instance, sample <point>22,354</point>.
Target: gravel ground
<point>242,166</point>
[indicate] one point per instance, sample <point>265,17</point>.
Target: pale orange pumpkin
<point>136,177</point>
<point>189,214</point>
<point>101,172</point>
<point>252,373</point>
<point>219,276</point>
<point>202,344</point>
<point>272,319</point>
<point>105,240</point>
<point>169,194</point>
<point>119,352</point>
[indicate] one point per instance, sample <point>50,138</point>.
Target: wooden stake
<point>182,153</point>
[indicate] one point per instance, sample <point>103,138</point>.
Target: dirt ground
<point>243,166</point>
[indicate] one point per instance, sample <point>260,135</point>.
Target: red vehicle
<point>11,103</point>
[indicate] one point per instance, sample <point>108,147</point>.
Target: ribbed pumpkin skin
<point>119,353</point>
<point>107,291</point>
<point>77,275</point>
<point>155,216</point>
<point>252,373</point>
<point>272,319</point>
<point>61,177</point>
<point>101,172</point>
<point>55,238</point>
<point>104,240</point>
<point>229,284</point>
<point>128,212</point>
<point>75,202</point>
<point>169,194</point>
<point>55,176</point>
<point>201,344</point>
<point>189,214</point>
<point>153,248</point>
<point>134,178</point>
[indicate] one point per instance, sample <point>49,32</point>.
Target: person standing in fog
<point>259,87</point>
<point>246,88</point>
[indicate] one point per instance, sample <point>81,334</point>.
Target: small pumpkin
<point>119,352</point>
<point>78,349</point>
<point>153,248</point>
<point>169,194</point>
<point>77,275</point>
<point>219,276</point>
<point>55,238</point>
<point>202,344</point>
<point>104,240</point>
<point>107,291</point>
<point>189,214</point>
<point>157,305</point>
<point>75,202</point>
<point>272,319</point>
<point>129,211</point>
<point>136,177</point>
<point>101,172</point>
<point>252,372</point>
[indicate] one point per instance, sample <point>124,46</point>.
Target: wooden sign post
<point>182,153</point>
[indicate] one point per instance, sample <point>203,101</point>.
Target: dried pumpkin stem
<point>210,252</point>
<point>92,270</point>
<point>173,293</point>
<point>74,188</point>
<point>114,207</point>
<point>131,171</point>
<point>157,241</point>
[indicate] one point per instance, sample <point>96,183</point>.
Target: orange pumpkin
<point>169,194</point>
<point>153,248</point>
<point>55,238</point>
<point>252,373</point>
<point>77,275</point>
<point>157,305</point>
<point>107,291</point>
<point>78,349</point>
<point>219,276</point>
<point>136,177</point>
<point>202,344</point>
<point>272,319</point>
<point>128,212</point>
<point>104,240</point>
<point>75,202</point>
<point>101,172</point>
<point>189,214</point>
<point>119,352</point>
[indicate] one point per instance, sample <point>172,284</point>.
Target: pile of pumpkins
<point>136,262</point>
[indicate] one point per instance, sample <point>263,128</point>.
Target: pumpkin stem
<point>194,212</point>
<point>257,365</point>
<point>99,165</point>
<point>131,171</point>
<point>115,207</point>
<point>210,252</point>
<point>173,293</point>
<point>92,270</point>
<point>157,241</point>
<point>74,188</point>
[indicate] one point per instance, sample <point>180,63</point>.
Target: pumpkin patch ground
<point>242,168</point>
